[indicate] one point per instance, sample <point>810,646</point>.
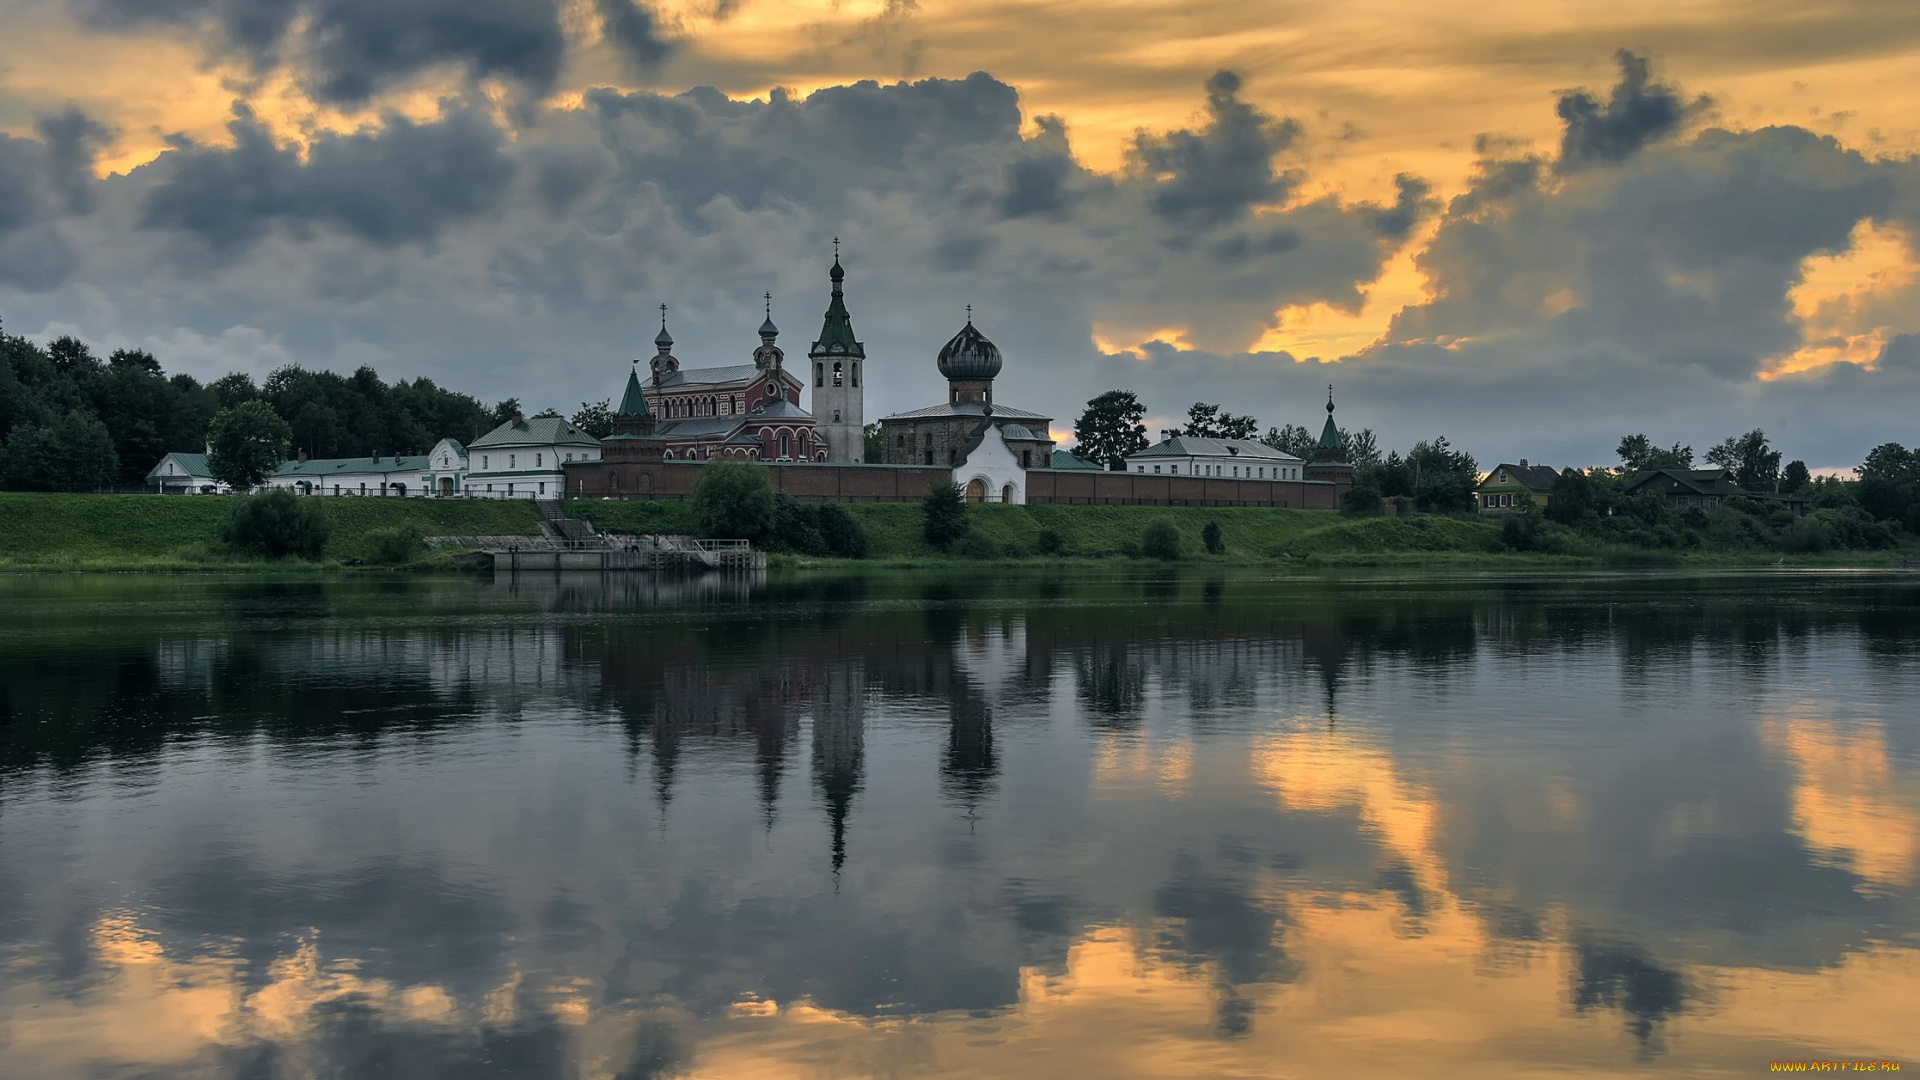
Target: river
<point>1114,823</point>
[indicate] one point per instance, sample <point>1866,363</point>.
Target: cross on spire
<point>1329,397</point>
<point>663,316</point>
<point>969,314</point>
<point>769,305</point>
<point>836,248</point>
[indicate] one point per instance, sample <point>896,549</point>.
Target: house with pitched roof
<point>525,459</point>
<point>1507,488</point>
<point>1704,489</point>
<point>1233,459</point>
<point>375,476</point>
<point>185,474</point>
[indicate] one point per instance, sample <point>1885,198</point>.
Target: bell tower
<point>837,378</point>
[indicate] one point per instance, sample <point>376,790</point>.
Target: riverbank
<point>180,534</point>
<point>174,533</point>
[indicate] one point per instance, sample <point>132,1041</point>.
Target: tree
<point>73,453</point>
<point>233,388</point>
<point>1572,497</point>
<point>1206,421</point>
<point>277,524</point>
<point>873,445</point>
<point>1110,429</point>
<point>1160,540</point>
<point>1213,539</point>
<point>595,418</point>
<point>733,500</point>
<point>1361,499</point>
<point>1438,477</point>
<point>547,414</point>
<point>840,531</point>
<point>1754,465</point>
<point>1362,449</point>
<point>1638,454</point>
<point>1890,484</point>
<point>1291,439</point>
<point>944,516</point>
<point>505,409</point>
<point>1795,478</point>
<point>246,443</point>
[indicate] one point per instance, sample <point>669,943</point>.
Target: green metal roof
<point>633,402</point>
<point>836,331</point>
<point>194,464</point>
<point>354,466</point>
<point>539,431</point>
<point>1068,463</point>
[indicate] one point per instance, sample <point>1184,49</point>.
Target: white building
<point>1231,459</point>
<point>989,471</point>
<point>524,459</point>
<point>185,474</point>
<point>378,476</point>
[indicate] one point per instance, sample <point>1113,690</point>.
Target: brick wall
<point>673,480</point>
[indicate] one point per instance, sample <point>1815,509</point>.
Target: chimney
<point>1523,463</point>
<point>376,459</point>
<point>303,454</point>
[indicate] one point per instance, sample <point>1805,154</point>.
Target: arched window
<point>1006,494</point>
<point>613,481</point>
<point>669,455</point>
<point>838,375</point>
<point>786,445</point>
<point>836,416</point>
<point>820,374</point>
<point>856,373</point>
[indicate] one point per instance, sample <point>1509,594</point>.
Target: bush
<point>277,524</point>
<point>840,532</point>
<point>1213,539</point>
<point>1524,532</point>
<point>1361,499</point>
<point>1160,540</point>
<point>394,544</point>
<point>733,500</point>
<point>976,546</point>
<point>945,516</point>
<point>1050,542</point>
<point>795,528</point>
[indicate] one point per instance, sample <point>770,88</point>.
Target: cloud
<point>34,254</point>
<point>399,183</point>
<point>634,30</point>
<point>1219,173</point>
<point>348,50</point>
<point>1638,113</point>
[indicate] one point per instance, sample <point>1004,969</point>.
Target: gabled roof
<point>711,376</point>
<point>1532,477</point>
<point>539,431</point>
<point>458,448</point>
<point>778,409</point>
<point>190,464</point>
<point>968,408</point>
<point>1699,481</point>
<point>1224,449</point>
<point>698,427</point>
<point>354,466</point>
<point>1066,462</point>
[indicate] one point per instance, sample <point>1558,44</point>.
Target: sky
<point>1527,227</point>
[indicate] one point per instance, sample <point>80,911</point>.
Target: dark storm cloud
<point>635,31</point>
<point>34,255</point>
<point>1041,182</point>
<point>1412,202</point>
<point>1639,112</point>
<point>1219,173</point>
<point>73,139</point>
<point>401,183</point>
<point>353,48</point>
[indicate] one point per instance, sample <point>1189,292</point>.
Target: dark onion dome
<point>970,356</point>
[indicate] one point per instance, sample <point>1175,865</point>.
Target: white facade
<point>1226,459</point>
<point>185,474</point>
<point>991,471</point>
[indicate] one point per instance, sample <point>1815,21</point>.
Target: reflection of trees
<point>969,767</point>
<point>1618,977</point>
<point>1112,685</point>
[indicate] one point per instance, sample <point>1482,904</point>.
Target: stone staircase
<point>556,525</point>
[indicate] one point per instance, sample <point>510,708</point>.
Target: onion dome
<point>969,356</point>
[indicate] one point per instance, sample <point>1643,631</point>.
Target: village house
<point>1704,489</point>
<point>185,474</point>
<point>1192,455</point>
<point>1507,488</point>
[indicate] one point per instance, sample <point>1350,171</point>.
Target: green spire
<point>633,402</point>
<point>1330,434</point>
<point>836,332</point>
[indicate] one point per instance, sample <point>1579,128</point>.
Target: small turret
<point>663,362</point>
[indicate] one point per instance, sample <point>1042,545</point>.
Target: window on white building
<point>483,464</point>
<point>513,461</point>
<point>539,460</point>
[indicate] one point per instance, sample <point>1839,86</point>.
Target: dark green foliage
<point>72,453</point>
<point>1524,532</point>
<point>1292,439</point>
<point>392,545</point>
<point>1110,429</point>
<point>277,524</point>
<point>840,532</point>
<point>1050,542</point>
<point>1436,477</point>
<point>1795,479</point>
<point>873,445</point>
<point>1160,540</point>
<point>1890,485</point>
<point>1572,498</point>
<point>245,444</point>
<point>1361,499</point>
<point>795,528</point>
<point>944,516</point>
<point>1209,422</point>
<point>595,418</point>
<point>1638,454</point>
<point>733,500</point>
<point>1754,464</point>
<point>1213,539</point>
<point>975,545</point>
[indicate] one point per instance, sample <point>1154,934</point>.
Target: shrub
<point>974,545</point>
<point>1160,540</point>
<point>795,528</point>
<point>1050,542</point>
<point>1213,539</point>
<point>1361,499</point>
<point>945,516</point>
<point>277,524</point>
<point>1524,532</point>
<point>733,500</point>
<point>394,544</point>
<point>840,532</point>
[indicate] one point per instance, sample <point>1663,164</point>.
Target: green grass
<point>634,518</point>
<point>175,532</point>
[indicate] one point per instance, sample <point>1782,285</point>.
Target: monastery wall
<point>674,480</point>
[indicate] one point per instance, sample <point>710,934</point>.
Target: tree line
<point>73,421</point>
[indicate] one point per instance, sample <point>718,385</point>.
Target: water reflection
<point>1061,825</point>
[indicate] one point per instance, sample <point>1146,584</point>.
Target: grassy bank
<point>172,532</point>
